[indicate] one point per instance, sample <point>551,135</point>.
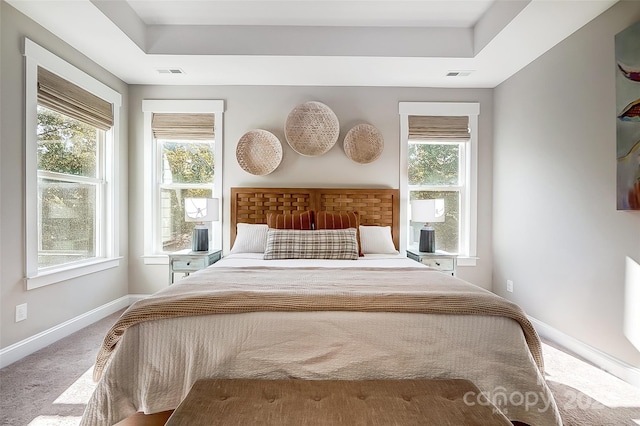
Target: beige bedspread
<point>259,289</point>
<point>319,324</point>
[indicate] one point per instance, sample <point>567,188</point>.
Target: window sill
<point>58,275</point>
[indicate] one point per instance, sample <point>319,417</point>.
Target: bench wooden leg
<point>141,419</point>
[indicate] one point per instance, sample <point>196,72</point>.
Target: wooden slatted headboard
<point>375,206</point>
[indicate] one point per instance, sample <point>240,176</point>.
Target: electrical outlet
<point>21,312</point>
<point>510,286</point>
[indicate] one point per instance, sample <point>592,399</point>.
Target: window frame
<point>107,228</point>
<point>152,228</point>
<point>468,195</point>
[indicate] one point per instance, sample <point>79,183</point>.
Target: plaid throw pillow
<point>333,220</point>
<point>319,244</point>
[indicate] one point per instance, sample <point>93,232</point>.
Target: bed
<point>360,312</point>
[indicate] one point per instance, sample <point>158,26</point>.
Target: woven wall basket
<point>363,143</point>
<point>311,129</point>
<point>259,152</point>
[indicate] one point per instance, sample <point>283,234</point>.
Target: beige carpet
<point>52,386</point>
<point>588,396</point>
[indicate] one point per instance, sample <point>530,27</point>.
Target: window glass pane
<point>175,232</point>
<point>447,232</point>
<point>433,164</point>
<point>187,161</point>
<point>67,222</point>
<point>66,145</point>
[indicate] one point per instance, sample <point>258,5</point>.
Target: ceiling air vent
<point>459,73</point>
<point>170,71</point>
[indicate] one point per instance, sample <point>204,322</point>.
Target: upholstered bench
<point>335,402</point>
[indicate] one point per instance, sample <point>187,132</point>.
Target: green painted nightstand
<point>440,260</point>
<point>187,261</point>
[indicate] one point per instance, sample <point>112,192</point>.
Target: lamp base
<point>427,240</point>
<point>200,238</point>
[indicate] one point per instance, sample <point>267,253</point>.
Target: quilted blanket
<point>259,289</point>
<point>318,324</point>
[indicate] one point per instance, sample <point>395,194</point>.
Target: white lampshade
<point>427,211</point>
<point>201,209</point>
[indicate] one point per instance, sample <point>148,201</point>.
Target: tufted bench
<point>334,402</point>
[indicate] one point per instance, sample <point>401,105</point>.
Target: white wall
<point>250,107</point>
<point>557,233</point>
<point>54,304</point>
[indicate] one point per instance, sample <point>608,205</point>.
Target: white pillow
<point>250,238</point>
<point>376,239</point>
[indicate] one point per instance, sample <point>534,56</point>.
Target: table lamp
<point>427,211</point>
<point>200,210</point>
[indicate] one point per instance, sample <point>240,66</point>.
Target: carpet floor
<point>52,386</point>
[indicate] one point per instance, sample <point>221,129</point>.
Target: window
<point>70,187</point>
<point>185,169</point>
<point>435,172</point>
<point>182,144</point>
<point>439,151</point>
<point>72,122</point>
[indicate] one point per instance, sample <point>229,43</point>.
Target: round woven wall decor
<point>363,143</point>
<point>259,152</point>
<point>311,129</point>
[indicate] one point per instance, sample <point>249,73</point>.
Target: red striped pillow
<point>294,220</point>
<point>331,220</point>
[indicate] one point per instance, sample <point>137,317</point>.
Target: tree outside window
<point>186,170</point>
<point>435,172</point>
<point>69,187</point>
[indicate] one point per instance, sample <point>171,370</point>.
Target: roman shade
<point>438,127</point>
<point>183,126</point>
<point>60,95</point>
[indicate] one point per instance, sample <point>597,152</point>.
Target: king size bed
<point>329,299</point>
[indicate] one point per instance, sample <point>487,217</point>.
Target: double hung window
<point>439,143</point>
<point>182,146</point>
<point>185,170</point>
<point>70,188</point>
<point>70,183</point>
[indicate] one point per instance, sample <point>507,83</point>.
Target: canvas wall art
<point>627,52</point>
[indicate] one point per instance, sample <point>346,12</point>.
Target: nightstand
<point>440,260</point>
<point>187,261</point>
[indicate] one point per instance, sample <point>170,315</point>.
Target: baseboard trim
<point>25,347</point>
<point>615,366</point>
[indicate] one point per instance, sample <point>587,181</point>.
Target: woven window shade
<point>438,127</point>
<point>183,126</point>
<point>60,95</point>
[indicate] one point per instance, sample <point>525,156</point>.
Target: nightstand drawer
<point>440,264</point>
<point>190,265</point>
<point>187,261</point>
